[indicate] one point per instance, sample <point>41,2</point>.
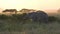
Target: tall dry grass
<point>15,25</point>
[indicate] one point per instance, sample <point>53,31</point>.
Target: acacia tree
<point>10,10</point>
<point>59,11</point>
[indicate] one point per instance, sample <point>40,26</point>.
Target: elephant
<point>42,16</point>
<point>38,16</point>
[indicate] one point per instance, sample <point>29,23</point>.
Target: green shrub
<point>52,18</point>
<point>3,16</point>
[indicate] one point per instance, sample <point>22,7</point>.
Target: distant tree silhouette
<point>58,10</point>
<point>26,10</point>
<point>10,10</point>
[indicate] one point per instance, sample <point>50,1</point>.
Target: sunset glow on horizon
<point>30,4</point>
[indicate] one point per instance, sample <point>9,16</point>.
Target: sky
<point>30,4</point>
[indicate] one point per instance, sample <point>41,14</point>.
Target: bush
<point>52,18</point>
<point>3,16</point>
<point>18,17</point>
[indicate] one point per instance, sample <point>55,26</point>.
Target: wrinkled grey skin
<point>42,16</point>
<point>38,16</point>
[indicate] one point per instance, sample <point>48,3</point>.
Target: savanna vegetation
<point>15,24</point>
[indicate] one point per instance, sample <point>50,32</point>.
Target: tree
<point>10,10</point>
<point>59,11</point>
